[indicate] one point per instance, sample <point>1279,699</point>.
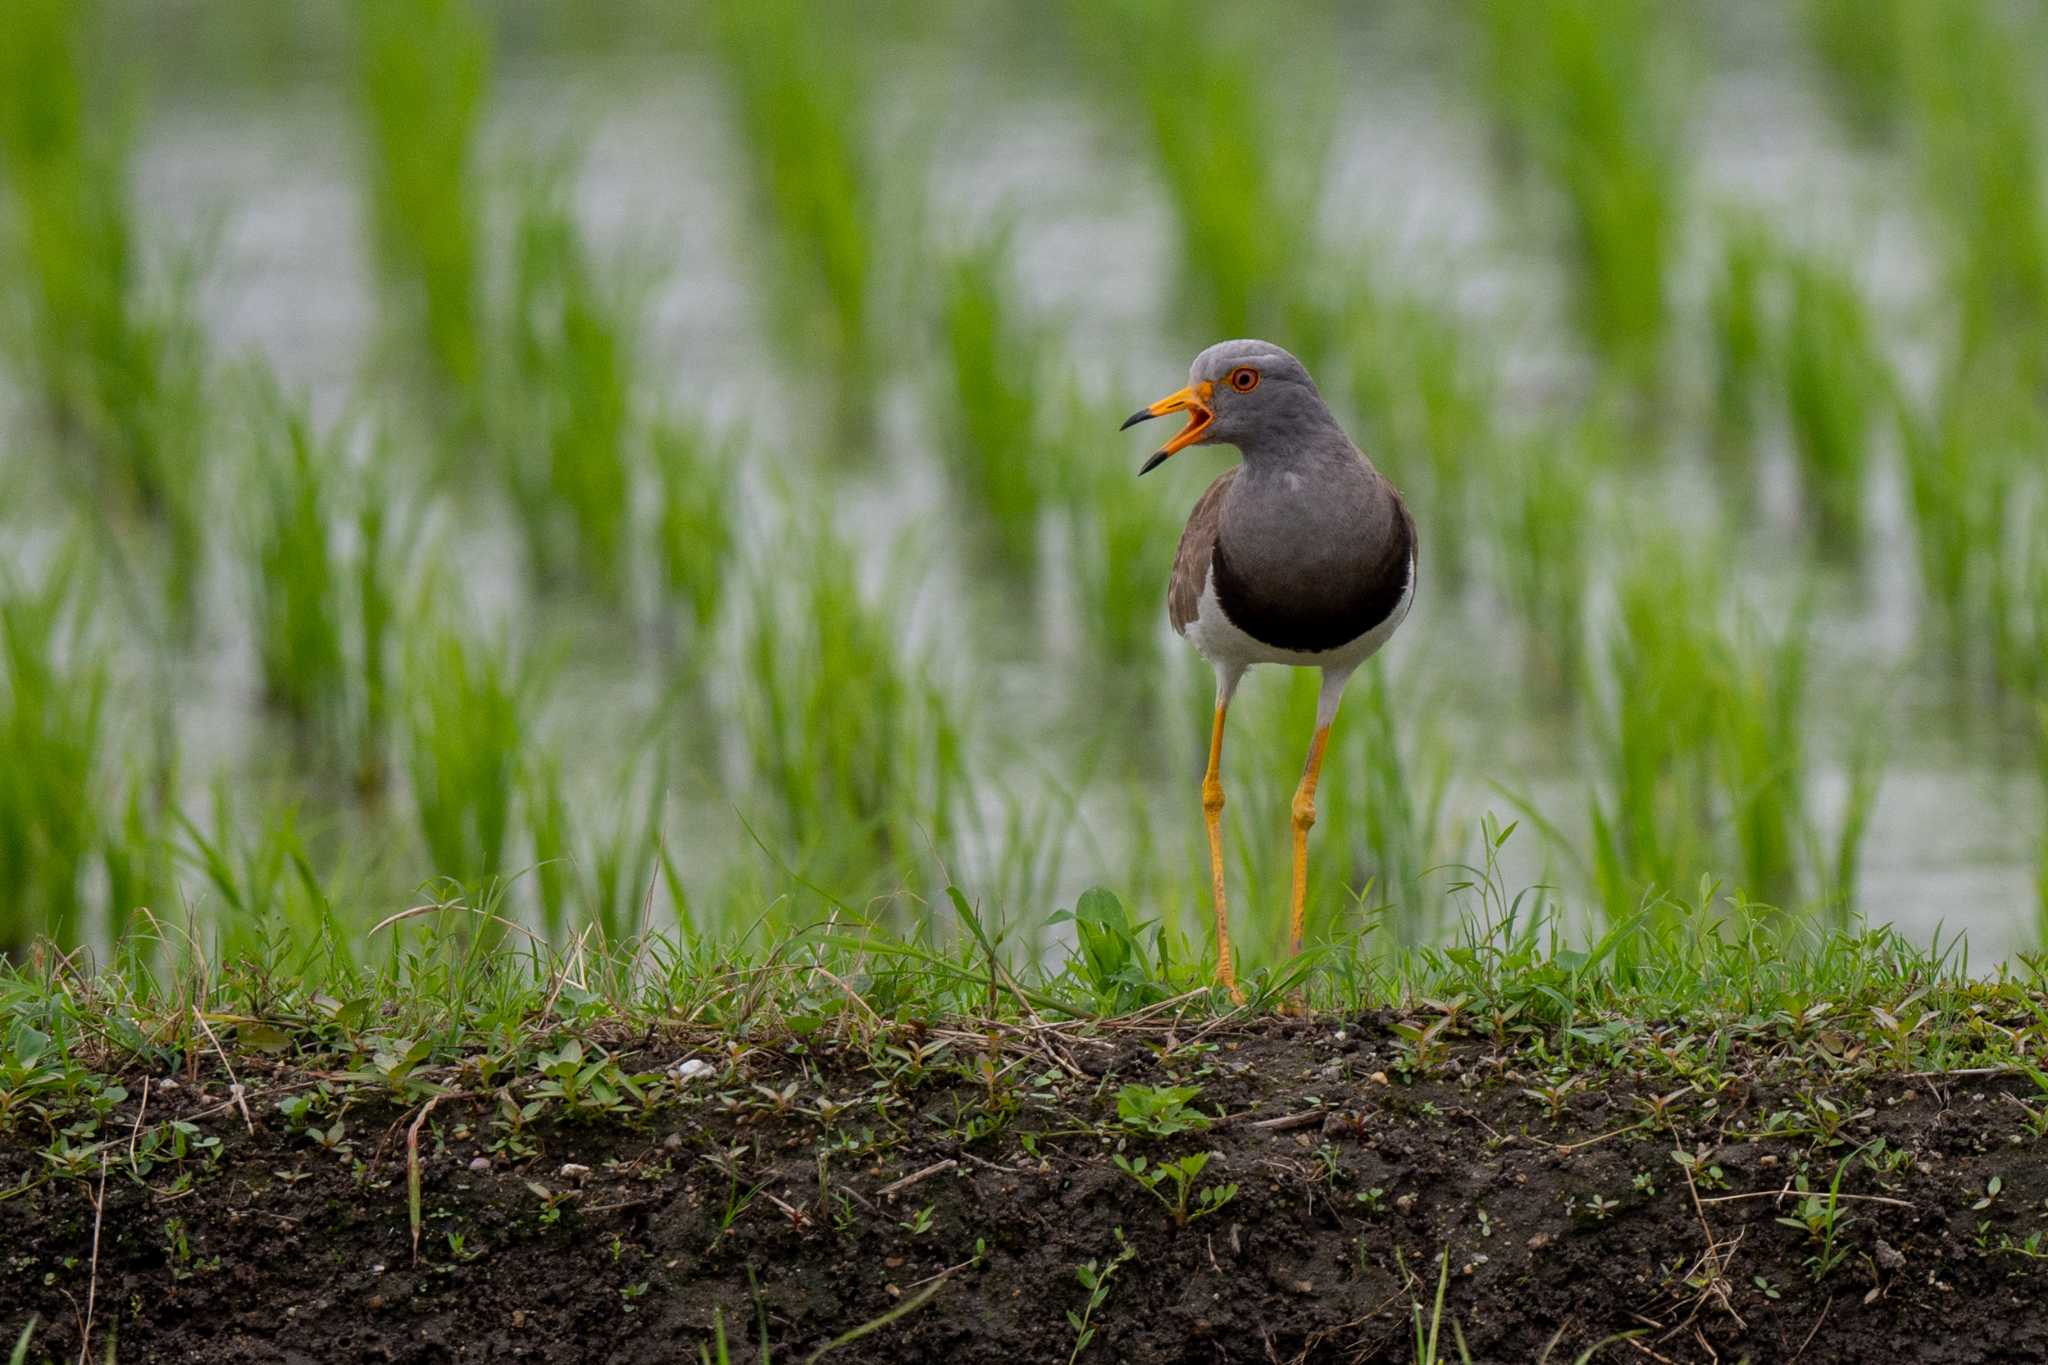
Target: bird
<point>1303,554</point>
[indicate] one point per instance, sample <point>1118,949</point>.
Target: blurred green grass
<point>424,71</point>
<point>587,650</point>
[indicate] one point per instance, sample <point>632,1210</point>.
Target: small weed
<point>1160,1110</point>
<point>1821,1217</point>
<point>1182,1178</point>
<point>1597,1207</point>
<point>391,1064</point>
<point>1095,1277</point>
<point>2031,1248</point>
<point>1705,1173</point>
<point>1423,1044</point>
<point>1555,1097</point>
<point>552,1202</point>
<point>1428,1323</point>
<point>1111,962</point>
<point>588,1088</point>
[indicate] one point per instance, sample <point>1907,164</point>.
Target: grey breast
<point>1310,556</point>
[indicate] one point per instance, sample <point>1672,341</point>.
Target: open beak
<point>1194,401</point>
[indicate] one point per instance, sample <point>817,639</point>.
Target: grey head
<point>1253,395</point>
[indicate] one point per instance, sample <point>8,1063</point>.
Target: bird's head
<point>1250,394</point>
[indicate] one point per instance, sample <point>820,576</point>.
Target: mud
<point>1364,1176</point>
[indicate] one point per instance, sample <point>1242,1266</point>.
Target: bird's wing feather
<point>1197,548</point>
<point>1414,544</point>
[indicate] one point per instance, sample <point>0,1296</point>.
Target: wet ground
<point>950,1225</point>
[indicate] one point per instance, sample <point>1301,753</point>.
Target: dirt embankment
<point>809,1191</point>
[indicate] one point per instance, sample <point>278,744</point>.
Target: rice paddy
<point>681,497</point>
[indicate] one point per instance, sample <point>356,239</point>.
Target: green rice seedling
<point>465,731</point>
<point>1121,538</point>
<point>1161,861</point>
<point>52,740</point>
<point>1977,139</point>
<point>1763,760</point>
<point>1387,805</point>
<point>115,361</point>
<point>548,822</point>
<point>849,743</point>
<point>1425,392</point>
<point>294,570</point>
<point>994,369</point>
<point>695,486</point>
<point>599,871</point>
<point>70,225</point>
<point>1242,170</point>
<point>265,896</point>
<point>1016,846</point>
<point>1739,320</point>
<point>1966,457</point>
<point>2041,856</point>
<point>1956,508</point>
<point>423,67</point>
<point>383,534</point>
<point>1590,94</point>
<point>561,414</point>
<point>1867,752</point>
<point>138,854</point>
<point>1548,531</point>
<point>1834,383</point>
<point>1701,739</point>
<point>1861,44</point>
<point>323,559</point>
<point>2019,606</point>
<point>1648,830</point>
<point>803,109</point>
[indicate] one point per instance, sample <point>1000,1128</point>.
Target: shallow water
<point>277,169</point>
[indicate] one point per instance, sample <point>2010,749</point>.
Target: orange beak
<point>1194,401</point>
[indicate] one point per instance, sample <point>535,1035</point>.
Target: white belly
<point>1233,651</point>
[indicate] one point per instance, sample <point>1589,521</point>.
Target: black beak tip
<point>1141,415</point>
<point>1158,459</point>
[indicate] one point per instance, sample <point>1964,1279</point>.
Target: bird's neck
<point>1304,443</point>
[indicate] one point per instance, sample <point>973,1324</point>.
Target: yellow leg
<point>1304,816</point>
<point>1212,816</point>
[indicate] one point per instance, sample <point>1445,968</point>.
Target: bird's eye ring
<point>1244,379</point>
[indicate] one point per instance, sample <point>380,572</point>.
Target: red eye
<point>1244,379</point>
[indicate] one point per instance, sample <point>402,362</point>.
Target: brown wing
<point>1197,548</point>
